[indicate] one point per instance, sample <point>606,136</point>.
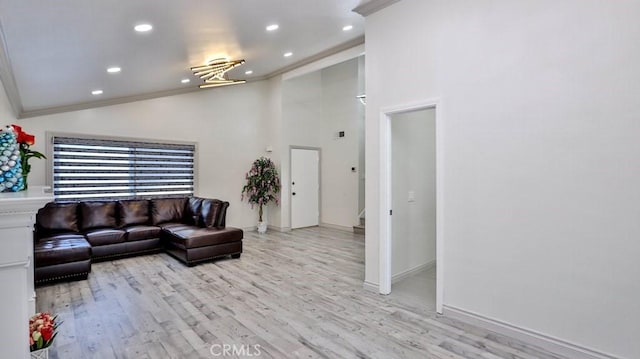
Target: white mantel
<point>17,293</point>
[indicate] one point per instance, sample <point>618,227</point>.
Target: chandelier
<point>214,73</point>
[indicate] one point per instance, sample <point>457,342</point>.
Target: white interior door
<point>305,188</point>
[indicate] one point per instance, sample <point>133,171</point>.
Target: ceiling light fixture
<point>214,73</point>
<point>347,28</point>
<point>273,27</point>
<point>288,54</point>
<point>248,72</point>
<point>184,81</point>
<point>96,92</point>
<point>113,70</point>
<point>143,27</point>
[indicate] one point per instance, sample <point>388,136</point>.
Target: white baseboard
<point>279,229</point>
<point>411,271</point>
<point>547,342</point>
<point>338,227</point>
<point>371,287</point>
<point>269,227</point>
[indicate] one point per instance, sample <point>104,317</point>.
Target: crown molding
<point>6,76</point>
<point>332,51</point>
<point>327,61</point>
<point>108,102</point>
<point>373,6</point>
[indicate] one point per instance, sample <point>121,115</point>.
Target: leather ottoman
<point>192,245</point>
<point>63,256</point>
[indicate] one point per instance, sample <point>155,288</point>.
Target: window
<point>105,169</point>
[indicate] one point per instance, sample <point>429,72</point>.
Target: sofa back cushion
<point>165,210</point>
<point>133,212</point>
<point>210,213</point>
<point>97,215</point>
<point>58,218</point>
<point>192,211</point>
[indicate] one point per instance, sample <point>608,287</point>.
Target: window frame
<point>49,149</point>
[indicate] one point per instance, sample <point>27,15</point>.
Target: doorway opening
<point>413,200</point>
<point>411,236</point>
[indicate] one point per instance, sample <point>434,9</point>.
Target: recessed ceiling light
<point>248,72</point>
<point>143,27</point>
<point>347,28</point>
<point>184,81</point>
<point>113,70</point>
<point>96,92</point>
<point>288,54</point>
<point>273,27</point>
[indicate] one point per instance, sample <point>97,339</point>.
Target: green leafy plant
<point>263,184</point>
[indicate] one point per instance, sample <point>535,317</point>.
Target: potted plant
<point>263,184</point>
<point>42,332</point>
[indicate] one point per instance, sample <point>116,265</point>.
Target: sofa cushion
<point>167,210</point>
<point>60,249</point>
<point>137,233</point>
<point>58,217</point>
<point>192,211</point>
<point>174,225</point>
<point>209,213</point>
<point>97,215</point>
<point>200,237</point>
<point>101,237</point>
<point>133,212</point>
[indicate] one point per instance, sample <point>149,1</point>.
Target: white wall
<point>230,125</point>
<point>274,136</point>
<point>361,136</point>
<point>6,114</point>
<point>413,157</point>
<point>541,173</point>
<point>316,106</point>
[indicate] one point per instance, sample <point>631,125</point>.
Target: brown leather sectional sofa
<point>70,236</point>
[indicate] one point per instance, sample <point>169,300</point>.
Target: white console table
<point>17,293</point>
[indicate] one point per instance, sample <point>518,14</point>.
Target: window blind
<point>99,169</point>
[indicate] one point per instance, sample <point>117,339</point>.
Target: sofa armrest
<point>221,222</point>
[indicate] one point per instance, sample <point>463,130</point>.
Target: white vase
<point>262,227</point>
<point>40,354</point>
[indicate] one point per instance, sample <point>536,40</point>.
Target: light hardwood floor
<point>418,290</point>
<point>296,295</point>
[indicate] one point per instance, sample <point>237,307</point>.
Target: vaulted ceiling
<point>55,53</point>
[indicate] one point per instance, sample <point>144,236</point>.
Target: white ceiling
<point>59,51</point>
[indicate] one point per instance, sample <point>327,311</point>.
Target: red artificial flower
<point>47,333</point>
<point>23,137</point>
<point>29,139</point>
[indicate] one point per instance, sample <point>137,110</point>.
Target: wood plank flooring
<point>290,295</point>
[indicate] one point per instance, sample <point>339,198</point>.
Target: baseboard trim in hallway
<point>370,287</point>
<point>409,272</point>
<point>337,227</point>
<point>540,340</point>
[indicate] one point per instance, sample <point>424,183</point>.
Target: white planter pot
<point>262,227</point>
<point>40,354</point>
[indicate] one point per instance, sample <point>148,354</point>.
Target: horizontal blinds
<point>99,169</point>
